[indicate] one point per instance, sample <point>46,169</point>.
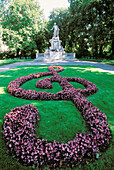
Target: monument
<point>55,42</point>
<point>56,51</point>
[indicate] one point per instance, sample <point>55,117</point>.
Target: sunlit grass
<point>93,69</point>
<point>10,61</point>
<point>60,120</point>
<point>2,90</point>
<point>110,62</point>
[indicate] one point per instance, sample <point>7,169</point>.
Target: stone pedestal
<point>56,55</point>
<point>55,44</point>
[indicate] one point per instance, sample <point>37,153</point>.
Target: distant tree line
<point>86,28</point>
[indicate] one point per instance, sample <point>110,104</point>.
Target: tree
<point>21,22</point>
<point>90,24</point>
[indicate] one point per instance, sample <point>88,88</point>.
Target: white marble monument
<point>56,51</point>
<point>56,47</point>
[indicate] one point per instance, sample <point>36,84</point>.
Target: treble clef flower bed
<point>20,123</point>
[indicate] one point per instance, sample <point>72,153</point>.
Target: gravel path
<point>104,67</point>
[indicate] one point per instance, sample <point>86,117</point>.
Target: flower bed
<point>15,89</point>
<point>19,124</point>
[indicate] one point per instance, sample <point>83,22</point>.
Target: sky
<point>49,5</point>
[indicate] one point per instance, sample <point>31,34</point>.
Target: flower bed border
<point>19,124</point>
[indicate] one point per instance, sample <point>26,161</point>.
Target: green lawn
<point>10,61</point>
<point>105,61</point>
<point>60,120</point>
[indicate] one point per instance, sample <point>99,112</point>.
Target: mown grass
<point>60,120</point>
<point>105,61</point>
<point>10,61</point>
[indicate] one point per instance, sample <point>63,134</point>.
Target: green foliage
<point>91,26</point>
<point>41,41</point>
<point>21,21</point>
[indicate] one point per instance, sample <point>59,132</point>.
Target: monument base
<point>56,55</point>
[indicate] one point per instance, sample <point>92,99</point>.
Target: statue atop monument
<point>55,42</point>
<point>56,30</point>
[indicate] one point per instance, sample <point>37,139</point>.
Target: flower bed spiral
<point>20,123</point>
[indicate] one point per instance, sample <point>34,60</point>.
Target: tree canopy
<point>21,21</point>
<point>86,27</point>
<point>91,25</point>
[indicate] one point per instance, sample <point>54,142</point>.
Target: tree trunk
<point>96,51</point>
<point>17,55</point>
<point>101,50</point>
<point>112,48</point>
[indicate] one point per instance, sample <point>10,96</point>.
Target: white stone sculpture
<point>56,30</point>
<point>56,50</point>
